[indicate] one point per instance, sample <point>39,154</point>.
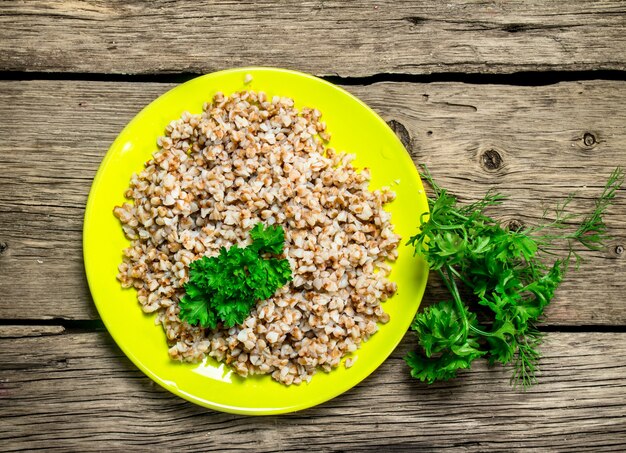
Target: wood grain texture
<point>382,36</point>
<point>17,331</point>
<point>78,392</point>
<point>55,134</point>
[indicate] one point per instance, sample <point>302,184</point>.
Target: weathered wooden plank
<point>17,331</point>
<point>78,392</point>
<point>382,36</point>
<point>55,134</point>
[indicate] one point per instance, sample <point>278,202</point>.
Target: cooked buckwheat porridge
<point>247,159</point>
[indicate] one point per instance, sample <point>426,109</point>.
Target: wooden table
<point>529,99</point>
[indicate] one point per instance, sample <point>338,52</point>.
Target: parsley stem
<point>460,277</point>
<point>454,290</point>
<point>460,216</point>
<point>451,285</point>
<point>481,332</point>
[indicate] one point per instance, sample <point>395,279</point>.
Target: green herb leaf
<point>268,240</point>
<point>194,309</point>
<point>226,287</point>
<point>502,271</point>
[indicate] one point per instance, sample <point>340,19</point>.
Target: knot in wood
<point>3,247</point>
<point>589,139</point>
<point>401,131</point>
<point>515,225</point>
<point>491,160</point>
<point>619,249</point>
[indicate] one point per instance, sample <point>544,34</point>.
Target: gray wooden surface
<point>79,392</point>
<point>383,36</point>
<point>76,72</point>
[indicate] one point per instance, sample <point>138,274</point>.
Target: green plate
<point>355,128</point>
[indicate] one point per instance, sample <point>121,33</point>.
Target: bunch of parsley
<point>502,273</point>
<point>226,287</point>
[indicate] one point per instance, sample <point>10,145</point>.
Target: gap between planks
<point>525,78</point>
<point>19,328</point>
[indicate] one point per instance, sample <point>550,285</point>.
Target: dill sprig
<point>592,232</point>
